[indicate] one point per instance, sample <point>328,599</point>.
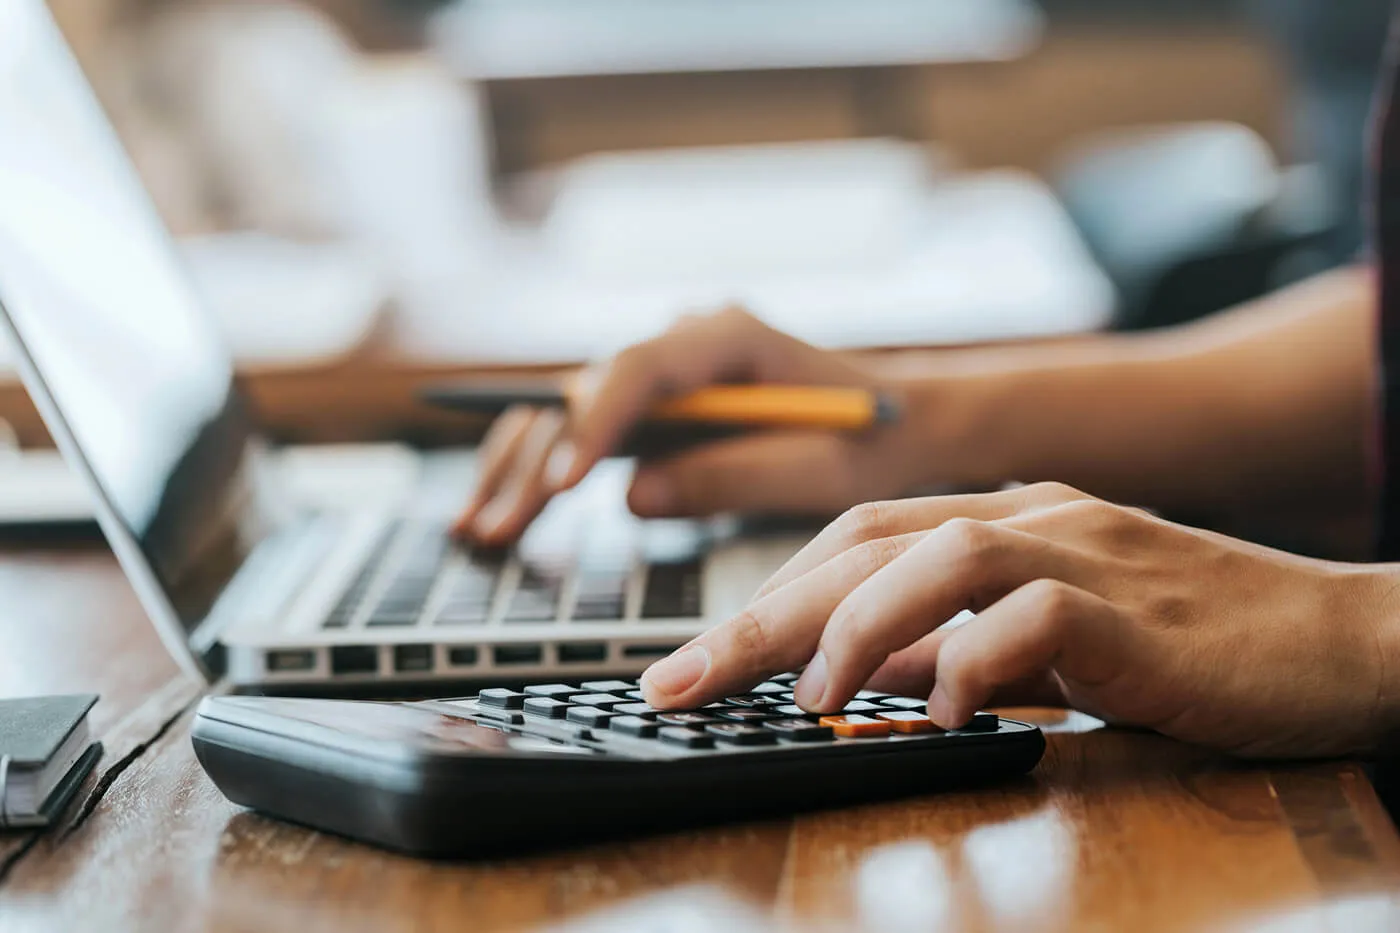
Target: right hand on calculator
<point>530,455</point>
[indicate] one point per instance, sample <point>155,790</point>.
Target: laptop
<point>252,571</point>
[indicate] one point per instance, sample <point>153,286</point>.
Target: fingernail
<point>811,686</point>
<point>653,494</point>
<point>492,518</point>
<point>940,709</point>
<point>681,671</point>
<point>561,465</point>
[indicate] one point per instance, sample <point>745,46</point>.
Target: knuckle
<point>1052,601</point>
<point>967,538</point>
<point>869,556</point>
<point>1052,491</point>
<point>748,633</point>
<point>864,522</point>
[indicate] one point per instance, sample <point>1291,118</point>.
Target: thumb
<point>772,472</point>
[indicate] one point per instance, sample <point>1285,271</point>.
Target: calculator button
<point>589,716</point>
<point>507,716</point>
<point>600,700</point>
<point>904,703</point>
<point>500,698</point>
<point>634,725</point>
<point>872,695</point>
<point>738,733</point>
<point>737,714</point>
<point>556,691</point>
<point>634,695</point>
<point>907,721</point>
<point>791,710</point>
<point>799,730</point>
<point>685,719</point>
<point>856,727</point>
<point>546,706</point>
<point>784,678</point>
<point>770,687</point>
<point>687,738</point>
<point>982,722</point>
<point>644,710</point>
<point>754,702</point>
<point>862,706</point>
<point>608,686</point>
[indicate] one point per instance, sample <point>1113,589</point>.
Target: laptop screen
<point>134,382</point>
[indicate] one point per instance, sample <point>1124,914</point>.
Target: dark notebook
<point>45,752</point>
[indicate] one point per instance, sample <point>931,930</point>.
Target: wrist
<point>1381,609</point>
<point>949,430</point>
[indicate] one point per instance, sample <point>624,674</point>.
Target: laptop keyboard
<point>417,576</point>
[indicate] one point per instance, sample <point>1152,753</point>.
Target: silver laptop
<point>249,567</point>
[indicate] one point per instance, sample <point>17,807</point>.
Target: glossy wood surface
<point>1116,830</point>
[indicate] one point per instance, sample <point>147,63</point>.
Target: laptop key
<point>634,725</point>
<point>500,698</point>
<point>672,591</point>
<point>738,733</point>
<point>799,730</point>
<point>686,738</point>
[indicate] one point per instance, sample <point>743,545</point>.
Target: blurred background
<point>388,186</point>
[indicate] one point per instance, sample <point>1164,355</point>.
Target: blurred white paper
<point>282,302</point>
<point>990,256</point>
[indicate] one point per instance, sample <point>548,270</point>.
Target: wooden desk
<point>1115,831</point>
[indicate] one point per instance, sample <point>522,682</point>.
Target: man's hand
<point>1079,602</point>
<point>530,455</point>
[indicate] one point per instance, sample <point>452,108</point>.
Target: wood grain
<point>1116,830</point>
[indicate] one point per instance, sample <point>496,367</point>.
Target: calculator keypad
<point>611,713</point>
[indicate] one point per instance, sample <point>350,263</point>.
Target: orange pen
<point>833,408</point>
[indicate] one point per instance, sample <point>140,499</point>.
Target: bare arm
<point>1234,417</point>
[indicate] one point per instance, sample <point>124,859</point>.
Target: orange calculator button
<point>907,721</point>
<point>856,726</point>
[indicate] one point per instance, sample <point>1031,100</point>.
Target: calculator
<point>560,764</point>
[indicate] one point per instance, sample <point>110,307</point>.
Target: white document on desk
<point>990,256</point>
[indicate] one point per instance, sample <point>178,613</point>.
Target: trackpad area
<point>736,569</point>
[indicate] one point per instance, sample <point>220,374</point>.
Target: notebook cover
<point>62,794</point>
<point>32,728</point>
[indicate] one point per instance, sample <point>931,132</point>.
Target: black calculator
<point>563,764</point>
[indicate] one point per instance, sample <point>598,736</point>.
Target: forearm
<point>1228,416</point>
